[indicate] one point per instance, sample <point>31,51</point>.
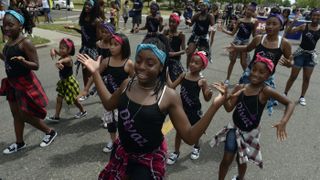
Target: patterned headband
<point>118,39</point>
<point>203,57</point>
<point>175,17</point>
<point>15,14</point>
<point>68,43</point>
<point>266,61</point>
<point>278,16</point>
<point>156,51</point>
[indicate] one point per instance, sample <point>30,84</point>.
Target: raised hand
<point>53,53</point>
<point>59,65</point>
<point>222,88</point>
<point>281,131</point>
<point>89,63</point>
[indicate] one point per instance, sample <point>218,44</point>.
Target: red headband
<point>118,39</point>
<point>203,57</point>
<point>68,43</point>
<point>175,17</point>
<point>267,61</point>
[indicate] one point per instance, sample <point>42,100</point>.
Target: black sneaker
<point>14,148</point>
<point>48,138</point>
<point>80,114</point>
<point>53,119</point>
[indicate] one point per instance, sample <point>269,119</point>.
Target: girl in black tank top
<point>68,86</point>
<point>144,102</point>
<point>191,84</point>
<point>305,56</point>
<point>247,103</point>
<point>153,21</point>
<point>177,45</point>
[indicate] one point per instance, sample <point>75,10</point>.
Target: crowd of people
<point>138,94</point>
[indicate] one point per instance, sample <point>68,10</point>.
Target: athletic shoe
<point>226,82</point>
<point>14,148</point>
<point>173,157</point>
<point>83,98</point>
<point>195,154</point>
<point>80,114</point>
<point>48,138</point>
<point>108,148</point>
<point>53,119</point>
<point>235,178</point>
<point>302,101</point>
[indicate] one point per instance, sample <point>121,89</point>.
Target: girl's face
<point>153,10</point>
<point>87,7</point>
<point>63,49</point>
<point>203,7</point>
<point>273,26</point>
<point>259,73</point>
<point>250,11</point>
<point>173,24</point>
<point>147,67</point>
<point>285,14</point>
<point>11,26</point>
<point>115,47</point>
<point>315,18</point>
<point>195,64</point>
<point>105,34</point>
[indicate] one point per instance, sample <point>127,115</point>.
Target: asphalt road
<point>77,151</point>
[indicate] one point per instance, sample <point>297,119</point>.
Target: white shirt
<point>45,4</point>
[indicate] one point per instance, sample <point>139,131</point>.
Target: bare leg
<point>85,76</point>
<point>242,168</point>
<point>307,72</point>
<point>113,136</point>
<point>58,106</point>
<point>18,121</point>
<point>190,50</point>
<point>293,76</point>
<point>79,105</point>
<point>233,58</point>
<point>243,61</point>
<point>36,122</point>
<point>177,143</point>
<point>225,163</point>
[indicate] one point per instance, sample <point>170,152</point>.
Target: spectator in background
<point>125,13</point>
<point>137,11</point>
<point>229,12</point>
<point>2,13</point>
<point>46,9</point>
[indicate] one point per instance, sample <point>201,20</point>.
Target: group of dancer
<point>138,95</point>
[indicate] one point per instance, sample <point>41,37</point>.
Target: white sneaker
<point>235,177</point>
<point>173,157</point>
<point>83,98</point>
<point>48,138</point>
<point>302,101</point>
<point>80,114</point>
<point>227,82</point>
<point>108,148</point>
<point>13,148</point>
<point>195,154</point>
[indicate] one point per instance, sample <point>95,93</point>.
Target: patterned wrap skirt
<point>27,92</point>
<point>68,89</point>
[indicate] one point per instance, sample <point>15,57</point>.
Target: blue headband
<point>156,51</point>
<point>278,16</point>
<point>109,27</point>
<point>18,16</point>
<point>91,2</point>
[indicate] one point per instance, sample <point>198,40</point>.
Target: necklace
<point>136,113</point>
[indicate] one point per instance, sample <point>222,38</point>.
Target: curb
<point>44,45</point>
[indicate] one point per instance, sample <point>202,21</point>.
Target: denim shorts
<point>231,142</point>
<point>304,60</point>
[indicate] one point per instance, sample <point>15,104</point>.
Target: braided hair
<point>162,43</point>
<point>21,8</point>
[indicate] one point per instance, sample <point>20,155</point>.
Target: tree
<point>286,3</point>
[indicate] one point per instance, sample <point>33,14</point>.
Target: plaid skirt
<point>68,89</point>
<point>117,166</point>
<point>27,92</point>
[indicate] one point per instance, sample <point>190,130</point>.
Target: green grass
<point>59,28</point>
<point>36,40</point>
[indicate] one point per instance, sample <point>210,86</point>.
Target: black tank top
<point>140,126</point>
<point>14,68</point>
<point>88,35</point>
<point>245,30</point>
<point>189,92</point>
<point>248,111</point>
<point>114,76</point>
<point>152,24</point>
<point>104,52</point>
<point>273,54</point>
<point>65,72</point>
<point>175,44</point>
<point>309,38</point>
<point>201,27</point>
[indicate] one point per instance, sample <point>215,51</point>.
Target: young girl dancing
<point>26,97</point>
<point>245,27</point>
<point>248,101</point>
<point>191,84</point>
<point>143,103</point>
<point>177,45</point>
<point>305,56</point>
<point>67,87</point>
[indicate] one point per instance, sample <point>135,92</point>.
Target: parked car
<point>62,4</point>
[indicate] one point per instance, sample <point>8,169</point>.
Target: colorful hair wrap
<point>68,43</point>
<point>15,14</point>
<point>278,16</point>
<point>91,2</point>
<point>109,27</point>
<point>267,61</point>
<point>203,57</point>
<point>118,39</point>
<point>156,51</point>
<point>175,17</point>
